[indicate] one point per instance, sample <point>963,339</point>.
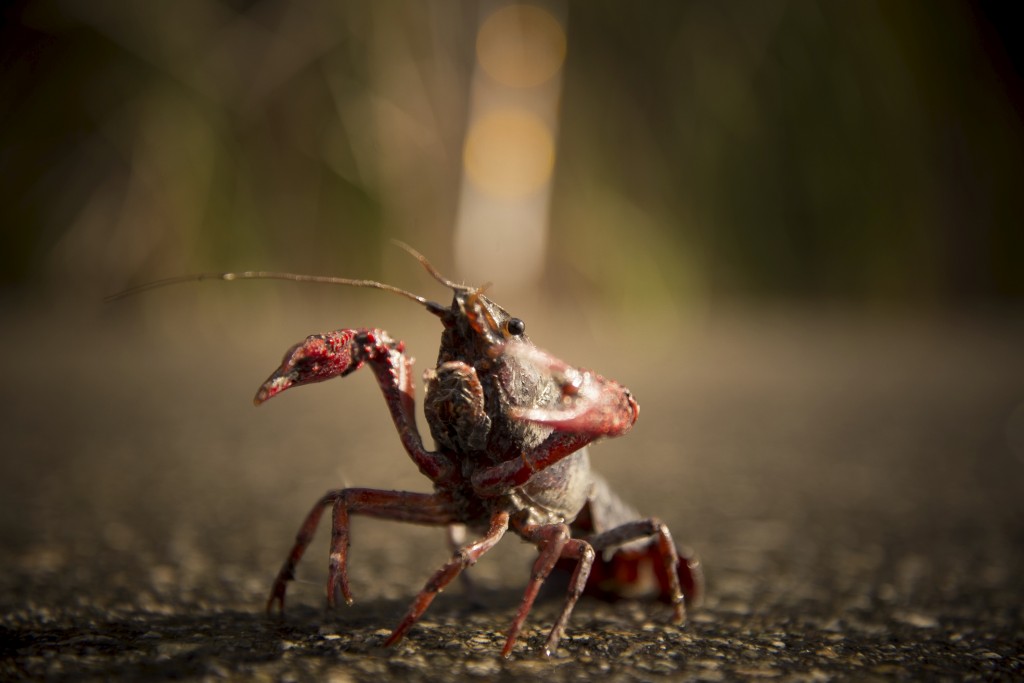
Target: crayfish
<point>511,424</point>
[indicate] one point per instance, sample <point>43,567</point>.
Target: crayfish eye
<point>515,327</point>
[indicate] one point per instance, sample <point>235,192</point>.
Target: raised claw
<point>320,357</point>
<point>588,404</point>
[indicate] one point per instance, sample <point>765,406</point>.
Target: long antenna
<point>426,264</point>
<point>432,306</point>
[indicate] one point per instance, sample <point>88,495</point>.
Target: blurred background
<point>794,229</point>
<point>668,155</point>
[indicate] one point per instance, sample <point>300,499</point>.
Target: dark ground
<point>854,484</point>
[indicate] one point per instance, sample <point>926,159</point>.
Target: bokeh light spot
<point>509,154</point>
<point>521,46</point>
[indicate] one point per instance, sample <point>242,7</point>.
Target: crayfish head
<point>473,322</point>
<point>477,330</point>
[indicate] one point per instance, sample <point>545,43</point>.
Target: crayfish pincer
<point>511,424</point>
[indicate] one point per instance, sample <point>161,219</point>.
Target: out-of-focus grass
<point>796,150</point>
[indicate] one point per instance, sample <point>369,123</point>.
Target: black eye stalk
<point>515,327</point>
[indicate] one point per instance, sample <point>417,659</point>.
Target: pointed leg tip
<point>333,598</point>
<point>510,643</point>
<point>679,614</point>
<point>270,611</point>
<point>551,647</point>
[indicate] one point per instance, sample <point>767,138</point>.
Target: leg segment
<point>302,541</point>
<point>399,506</point>
<point>456,539</point>
<point>466,556</point>
<point>671,572</point>
<point>554,543</point>
<point>584,553</point>
<point>550,540</point>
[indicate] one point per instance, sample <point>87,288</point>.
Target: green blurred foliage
<point>142,139</point>
<point>853,151</point>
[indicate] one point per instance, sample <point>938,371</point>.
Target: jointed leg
<point>663,552</point>
<point>400,506</point>
<point>554,543</point>
<point>456,539</point>
<point>583,552</point>
<point>466,556</point>
<point>302,541</point>
<point>550,541</point>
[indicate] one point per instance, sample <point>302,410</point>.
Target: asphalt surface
<point>854,485</point>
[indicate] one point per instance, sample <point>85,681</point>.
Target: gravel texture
<point>854,485</point>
